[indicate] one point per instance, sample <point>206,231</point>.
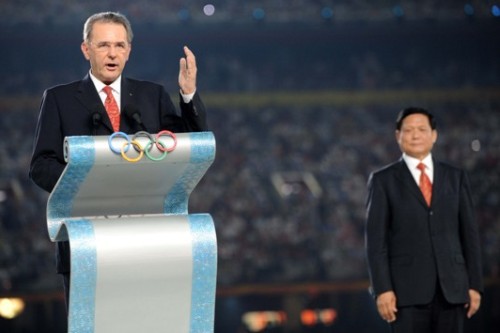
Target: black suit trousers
<point>439,316</point>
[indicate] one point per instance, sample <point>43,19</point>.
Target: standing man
<point>422,240</point>
<point>104,102</point>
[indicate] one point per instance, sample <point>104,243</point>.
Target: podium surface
<point>139,261</point>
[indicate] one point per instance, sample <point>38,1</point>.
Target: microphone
<point>133,113</point>
<point>96,118</point>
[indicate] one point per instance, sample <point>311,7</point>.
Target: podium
<point>139,261</point>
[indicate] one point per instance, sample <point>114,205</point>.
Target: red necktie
<point>425,184</point>
<point>112,109</point>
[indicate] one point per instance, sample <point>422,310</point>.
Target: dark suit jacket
<point>413,248</point>
<point>69,110</point>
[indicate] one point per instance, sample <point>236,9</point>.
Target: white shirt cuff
<point>187,98</point>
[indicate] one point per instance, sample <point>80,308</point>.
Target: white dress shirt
<point>116,88</point>
<point>412,163</point>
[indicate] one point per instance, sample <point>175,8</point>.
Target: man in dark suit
<point>78,108</point>
<point>422,244</point>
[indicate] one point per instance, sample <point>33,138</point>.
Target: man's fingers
<point>474,303</point>
<point>183,64</point>
<point>388,312</point>
<point>190,58</point>
<point>187,51</point>
<point>386,304</point>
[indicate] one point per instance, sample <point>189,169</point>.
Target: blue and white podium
<point>139,261</point>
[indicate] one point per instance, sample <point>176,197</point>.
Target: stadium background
<point>302,97</point>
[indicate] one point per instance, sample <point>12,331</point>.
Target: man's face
<point>416,137</point>
<point>107,50</point>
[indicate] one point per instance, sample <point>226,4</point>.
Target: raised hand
<point>187,72</point>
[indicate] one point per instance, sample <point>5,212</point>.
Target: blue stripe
<point>60,205</point>
<point>204,273</point>
<point>202,156</point>
<point>202,147</point>
<point>81,316</point>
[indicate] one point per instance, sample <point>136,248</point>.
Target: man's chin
<point>109,79</point>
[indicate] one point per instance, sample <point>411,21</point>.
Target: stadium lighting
<point>398,11</point>
<point>10,308</point>
<point>468,9</point>
<point>327,13</point>
<point>259,14</point>
<point>495,10</point>
<point>183,14</point>
<point>209,9</point>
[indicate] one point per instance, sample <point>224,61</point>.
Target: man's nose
<point>112,52</point>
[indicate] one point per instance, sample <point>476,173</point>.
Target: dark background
<point>292,94</point>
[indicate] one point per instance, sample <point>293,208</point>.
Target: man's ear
<point>396,135</point>
<point>85,50</point>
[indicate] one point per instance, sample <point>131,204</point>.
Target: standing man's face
<point>416,137</point>
<point>107,50</point>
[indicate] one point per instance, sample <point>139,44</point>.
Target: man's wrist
<point>187,98</point>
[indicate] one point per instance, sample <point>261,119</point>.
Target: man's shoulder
<point>388,168</point>
<point>75,85</point>
<point>141,83</point>
<point>448,167</point>
<point>64,87</point>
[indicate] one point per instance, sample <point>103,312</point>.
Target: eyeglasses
<point>102,47</point>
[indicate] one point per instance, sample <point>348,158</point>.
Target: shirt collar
<point>412,162</point>
<point>116,85</point>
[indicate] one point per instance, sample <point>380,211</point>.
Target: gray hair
<point>107,17</point>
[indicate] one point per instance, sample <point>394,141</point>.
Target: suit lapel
<point>89,98</point>
<point>405,176</point>
<point>439,180</point>
<point>127,92</point>
<point>127,98</point>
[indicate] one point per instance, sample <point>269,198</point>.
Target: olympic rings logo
<point>153,141</point>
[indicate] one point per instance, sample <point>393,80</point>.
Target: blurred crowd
<point>267,59</point>
<point>224,11</point>
<point>26,255</point>
<point>268,233</point>
<point>308,226</point>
